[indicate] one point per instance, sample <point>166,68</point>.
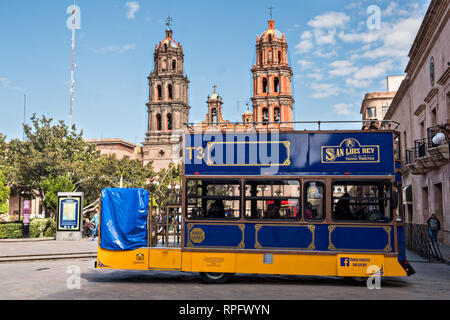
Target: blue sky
<point>337,52</point>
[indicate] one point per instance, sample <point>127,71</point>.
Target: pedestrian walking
<point>95,220</point>
<point>434,225</point>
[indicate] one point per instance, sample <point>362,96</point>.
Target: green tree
<point>49,150</point>
<point>51,186</point>
<point>55,158</point>
<point>4,194</point>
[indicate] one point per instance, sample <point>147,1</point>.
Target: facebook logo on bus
<point>345,262</point>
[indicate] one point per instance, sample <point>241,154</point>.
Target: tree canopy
<point>54,158</point>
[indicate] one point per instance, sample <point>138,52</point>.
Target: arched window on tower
<point>170,91</point>
<point>169,122</point>
<point>214,115</point>
<point>165,46</point>
<point>279,56</point>
<point>276,84</point>
<point>174,65</point>
<point>260,58</point>
<point>270,38</point>
<point>265,116</point>
<point>159,93</point>
<point>158,122</point>
<point>276,115</point>
<point>264,83</point>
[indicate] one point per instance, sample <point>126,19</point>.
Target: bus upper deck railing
<point>377,124</point>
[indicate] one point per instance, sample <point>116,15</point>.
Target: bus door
<point>165,238</point>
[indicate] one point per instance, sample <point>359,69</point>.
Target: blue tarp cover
<point>123,222</point>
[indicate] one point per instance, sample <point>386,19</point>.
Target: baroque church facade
<point>168,105</point>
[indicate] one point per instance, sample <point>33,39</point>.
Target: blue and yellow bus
<point>318,203</point>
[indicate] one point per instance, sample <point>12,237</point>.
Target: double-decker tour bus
<point>319,203</point>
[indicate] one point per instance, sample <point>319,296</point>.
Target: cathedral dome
<point>271,31</point>
<point>169,42</point>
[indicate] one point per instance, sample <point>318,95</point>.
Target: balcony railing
<point>420,147</point>
<point>410,156</point>
<point>433,131</point>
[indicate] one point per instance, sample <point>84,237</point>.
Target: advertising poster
<point>69,211</point>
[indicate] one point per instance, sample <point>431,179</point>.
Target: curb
<point>48,257</point>
<point>27,240</point>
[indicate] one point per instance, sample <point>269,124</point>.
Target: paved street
<point>48,280</point>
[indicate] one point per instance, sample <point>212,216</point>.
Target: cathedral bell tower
<point>168,107</point>
<point>272,89</point>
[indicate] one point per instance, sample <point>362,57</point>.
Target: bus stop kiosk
<point>69,216</point>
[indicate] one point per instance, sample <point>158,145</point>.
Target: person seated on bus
<point>273,210</point>
<point>342,210</point>
<point>217,210</point>
<point>309,211</point>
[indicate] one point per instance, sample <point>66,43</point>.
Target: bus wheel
<point>213,277</point>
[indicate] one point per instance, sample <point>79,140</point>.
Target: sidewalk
<point>15,250</point>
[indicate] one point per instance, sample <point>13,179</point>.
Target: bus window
<point>274,199</point>
<point>314,201</point>
<point>362,200</point>
<point>213,199</point>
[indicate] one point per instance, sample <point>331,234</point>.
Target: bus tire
<point>214,277</point>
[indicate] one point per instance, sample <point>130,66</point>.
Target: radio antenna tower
<point>72,80</point>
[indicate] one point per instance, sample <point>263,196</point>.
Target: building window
<point>276,84</point>
<point>158,122</point>
<point>213,199</point>
<point>274,199</point>
<point>265,116</point>
<point>314,200</point>
<point>362,200</point>
<point>159,92</point>
<point>371,112</point>
<point>170,91</point>
<point>169,122</point>
<point>264,83</point>
<point>279,56</point>
<point>276,115</point>
<point>270,38</point>
<point>174,64</point>
<point>260,57</point>
<point>385,110</point>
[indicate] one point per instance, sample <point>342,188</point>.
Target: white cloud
<point>341,68</point>
<point>343,109</point>
<point>324,90</point>
<point>6,83</point>
<point>328,54</point>
<point>132,8</point>
<point>305,64</point>
<point>324,38</point>
<point>304,46</point>
<point>116,49</point>
<point>374,71</point>
<point>316,76</point>
<point>329,20</point>
<point>393,40</point>
<point>360,84</point>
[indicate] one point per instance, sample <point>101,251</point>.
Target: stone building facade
<point>376,104</point>
<point>422,107</point>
